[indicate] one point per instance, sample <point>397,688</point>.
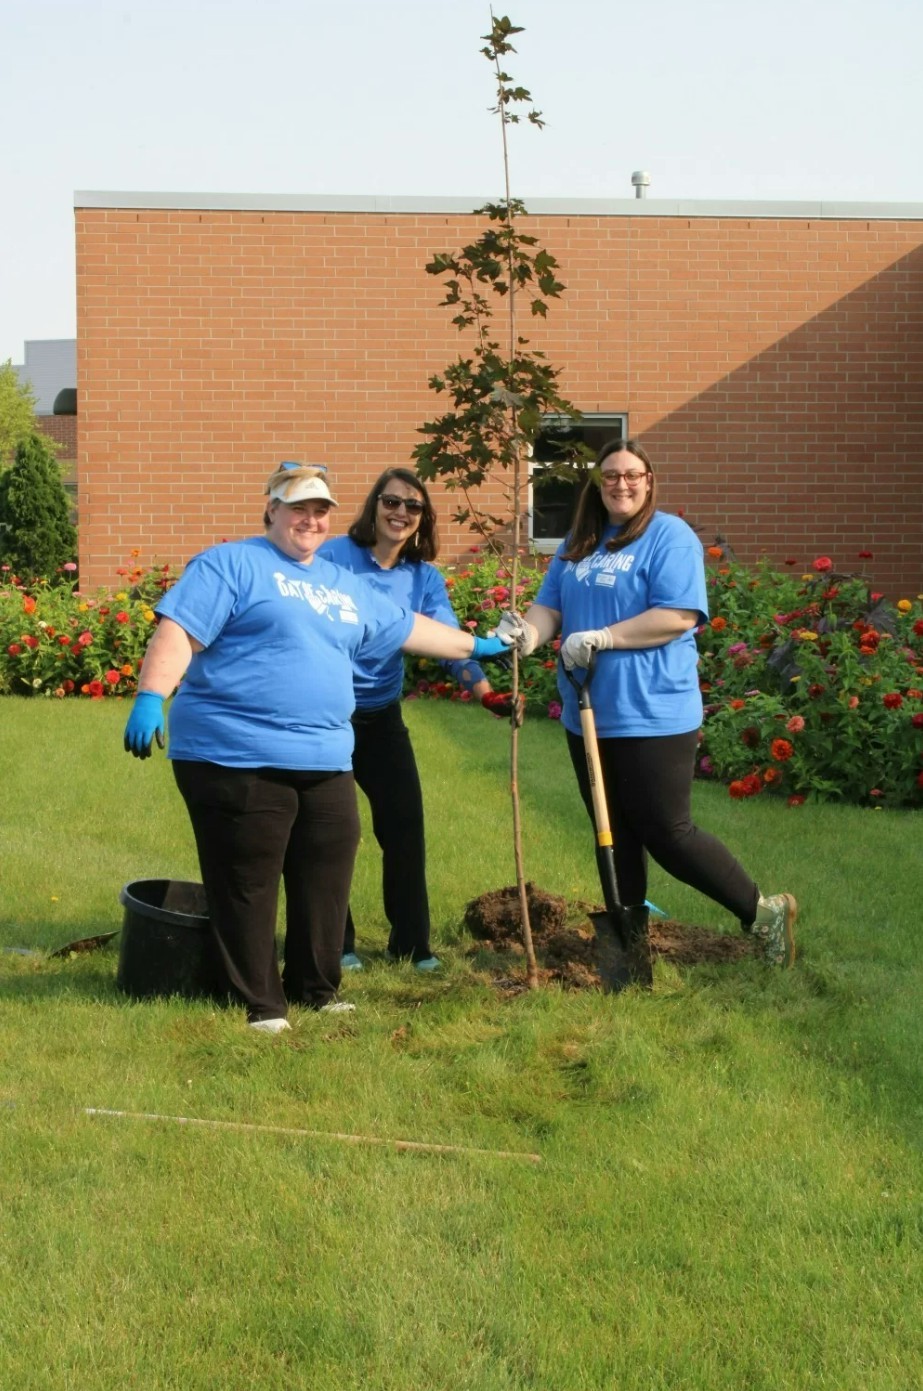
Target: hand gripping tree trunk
<point>502,390</point>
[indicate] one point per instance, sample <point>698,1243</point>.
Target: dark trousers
<point>251,825</point>
<point>648,786</point>
<point>385,768</point>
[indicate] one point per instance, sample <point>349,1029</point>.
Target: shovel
<point>623,949</point>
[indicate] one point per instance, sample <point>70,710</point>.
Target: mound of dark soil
<point>564,940</point>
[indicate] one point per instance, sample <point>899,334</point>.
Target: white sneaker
<point>337,1007</point>
<point>270,1026</point>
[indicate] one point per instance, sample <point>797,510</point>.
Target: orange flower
<point>719,623</point>
<point>127,669</point>
<point>28,604</point>
<point>716,552</point>
<point>781,750</point>
<point>772,775</point>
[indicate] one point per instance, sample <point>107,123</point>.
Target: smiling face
<point>624,486</point>
<point>298,528</point>
<point>398,512</point>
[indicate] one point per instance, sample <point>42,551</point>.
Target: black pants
<point>648,786</point>
<point>252,825</point>
<point>385,768</point>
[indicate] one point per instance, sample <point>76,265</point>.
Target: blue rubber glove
<point>145,724</point>
<point>485,648</point>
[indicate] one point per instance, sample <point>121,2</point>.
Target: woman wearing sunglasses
<point>393,542</point>
<point>264,634</point>
<point>626,591</point>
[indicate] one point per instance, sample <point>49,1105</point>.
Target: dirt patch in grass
<point>565,942</point>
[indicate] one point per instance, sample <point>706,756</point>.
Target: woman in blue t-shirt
<point>629,585</point>
<point>264,634</point>
<point>392,543</point>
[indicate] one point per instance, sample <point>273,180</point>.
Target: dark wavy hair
<point>591,517</point>
<point>424,543</point>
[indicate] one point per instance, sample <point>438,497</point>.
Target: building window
<point>553,498</point>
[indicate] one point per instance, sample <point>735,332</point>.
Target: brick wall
<point>772,366</point>
<point>63,430</point>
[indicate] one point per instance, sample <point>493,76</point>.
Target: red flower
<point>64,640</point>
<point>917,721</point>
<point>30,641</point>
<point>892,701</point>
<point>85,639</point>
<point>738,704</point>
<point>113,677</point>
<point>866,555</point>
<point>719,623</point>
<point>750,736</point>
<point>876,792</point>
<point>781,750</point>
<point>14,649</point>
<point>753,784</point>
<point>920,779</point>
<point>918,627</point>
<point>67,687</point>
<point>814,690</point>
<point>96,689</point>
<point>822,564</point>
<point>121,616</point>
<point>791,560</point>
<point>796,801</point>
<point>771,775</point>
<point>737,790</point>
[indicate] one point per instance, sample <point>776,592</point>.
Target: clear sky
<point>730,99</point>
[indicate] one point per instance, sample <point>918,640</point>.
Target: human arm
<point>653,628</point>
<point>168,655</point>
<point>427,638</point>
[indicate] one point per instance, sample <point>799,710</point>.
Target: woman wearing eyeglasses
<point>628,585</point>
<point>264,634</point>
<point>392,543</point>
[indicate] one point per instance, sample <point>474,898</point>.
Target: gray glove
<point>515,632</point>
<point>577,650</point>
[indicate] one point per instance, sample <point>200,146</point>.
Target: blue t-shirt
<point>648,690</point>
<point>274,685</point>
<point>411,584</point>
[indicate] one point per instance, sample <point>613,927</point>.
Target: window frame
<point>596,421</point>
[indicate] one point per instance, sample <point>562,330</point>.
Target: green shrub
<point>37,536</point>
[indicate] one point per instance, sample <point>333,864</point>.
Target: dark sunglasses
<point>391,503</point>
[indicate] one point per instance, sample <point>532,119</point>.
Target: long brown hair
<point>424,543</point>
<point>591,517</point>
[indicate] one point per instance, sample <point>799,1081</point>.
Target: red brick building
<point>769,356</point>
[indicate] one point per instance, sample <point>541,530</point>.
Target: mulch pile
<point>564,940</point>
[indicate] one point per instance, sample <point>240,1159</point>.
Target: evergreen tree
<point>37,536</point>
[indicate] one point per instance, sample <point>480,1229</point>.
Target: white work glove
<point>515,632</point>
<point>578,649</point>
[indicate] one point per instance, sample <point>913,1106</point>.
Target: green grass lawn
<point>730,1186</point>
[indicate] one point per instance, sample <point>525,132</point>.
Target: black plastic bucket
<point>167,946</point>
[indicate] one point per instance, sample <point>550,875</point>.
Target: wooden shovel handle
<point>595,772</point>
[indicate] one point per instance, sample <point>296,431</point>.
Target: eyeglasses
<point>631,477</point>
<point>391,503</point>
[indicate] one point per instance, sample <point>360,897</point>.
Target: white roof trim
<point>547,207</point>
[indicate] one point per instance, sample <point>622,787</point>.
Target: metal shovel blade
<point>623,948</point>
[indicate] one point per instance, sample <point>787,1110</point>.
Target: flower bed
<point>57,641</point>
<point>813,684</point>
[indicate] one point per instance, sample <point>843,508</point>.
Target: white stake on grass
<point>418,1145</point>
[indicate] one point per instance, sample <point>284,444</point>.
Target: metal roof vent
<point>640,181</point>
